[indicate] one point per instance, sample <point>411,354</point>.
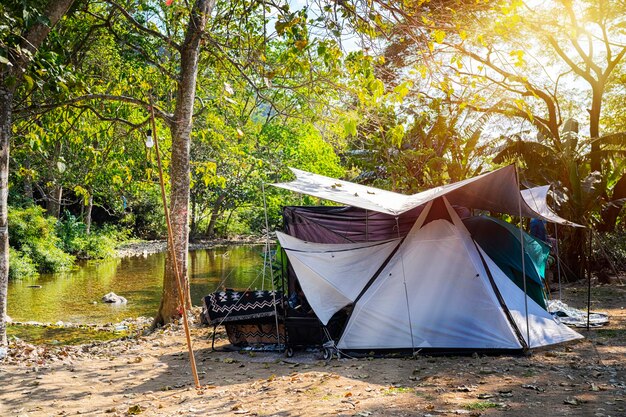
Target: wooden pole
<point>589,279</point>
<point>170,240</point>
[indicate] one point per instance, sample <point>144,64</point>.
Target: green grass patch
<point>480,406</point>
<point>398,390</point>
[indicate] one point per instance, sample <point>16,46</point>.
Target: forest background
<point>400,95</point>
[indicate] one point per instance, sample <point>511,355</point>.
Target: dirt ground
<point>150,376</point>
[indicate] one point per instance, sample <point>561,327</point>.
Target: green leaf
<point>439,35</point>
<point>29,82</point>
<point>349,127</point>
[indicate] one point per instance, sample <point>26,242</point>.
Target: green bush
<point>70,230</point>
<point>99,244</point>
<point>26,224</point>
<point>33,234</point>
<point>47,256</point>
<point>21,265</point>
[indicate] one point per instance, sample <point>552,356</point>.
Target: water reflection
<point>70,296</point>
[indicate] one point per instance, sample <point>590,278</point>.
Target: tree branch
<point>167,117</point>
<point>141,27</point>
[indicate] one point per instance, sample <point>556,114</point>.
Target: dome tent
<point>433,288</point>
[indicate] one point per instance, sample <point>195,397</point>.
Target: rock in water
<point>114,299</point>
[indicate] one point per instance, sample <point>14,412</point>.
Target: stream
<point>75,296</point>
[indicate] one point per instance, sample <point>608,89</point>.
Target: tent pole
<point>406,294</point>
<point>183,297</point>
<point>267,241</point>
<point>558,256</point>
<point>521,235</point>
<point>267,248</point>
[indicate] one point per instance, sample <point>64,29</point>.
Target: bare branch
<point>111,119</point>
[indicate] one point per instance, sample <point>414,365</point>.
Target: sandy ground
<point>150,376</point>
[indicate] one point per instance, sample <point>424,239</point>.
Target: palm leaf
<point>616,139</point>
<point>525,151</point>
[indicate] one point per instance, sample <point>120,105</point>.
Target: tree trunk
<point>194,214</point>
<point>179,165</point>
<point>10,78</point>
<point>594,126</point>
<point>215,214</point>
<point>88,215</point>
<point>28,183</point>
<point>6,101</point>
<point>53,203</point>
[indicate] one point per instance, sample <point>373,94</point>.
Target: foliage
<point>144,215</point>
<point>21,265</point>
<point>433,146</point>
<point>33,234</point>
<point>69,229</point>
<point>609,251</point>
<point>98,244</point>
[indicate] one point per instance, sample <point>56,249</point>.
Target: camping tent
<point>433,288</point>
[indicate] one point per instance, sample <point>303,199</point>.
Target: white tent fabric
<point>332,276</point>
<point>345,192</point>
<point>543,329</point>
<point>537,199</point>
<point>449,305</point>
<point>495,191</point>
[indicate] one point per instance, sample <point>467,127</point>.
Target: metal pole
<point>267,250</point>
<point>521,238</point>
<point>558,257</point>
<point>170,235</point>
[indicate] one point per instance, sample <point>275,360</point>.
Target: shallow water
<point>70,296</point>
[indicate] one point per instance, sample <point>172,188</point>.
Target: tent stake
<point>170,235</point>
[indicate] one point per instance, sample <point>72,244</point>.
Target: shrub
<point>99,244</point>
<point>47,256</point>
<point>21,265</point>
<point>26,224</point>
<point>33,234</point>
<point>70,230</point>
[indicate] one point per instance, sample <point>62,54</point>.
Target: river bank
<point>149,374</point>
<point>147,247</point>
